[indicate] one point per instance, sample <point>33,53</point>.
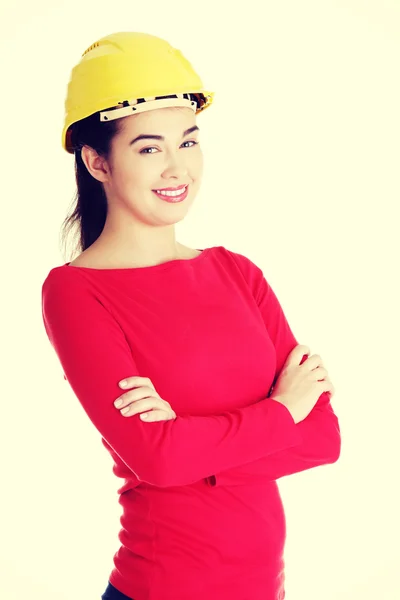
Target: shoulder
<point>80,261</point>
<point>245,264</point>
<point>88,258</point>
<point>243,270</point>
<point>64,282</point>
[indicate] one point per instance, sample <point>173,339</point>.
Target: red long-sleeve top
<point>202,514</point>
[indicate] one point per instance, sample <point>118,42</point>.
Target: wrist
<point>281,400</point>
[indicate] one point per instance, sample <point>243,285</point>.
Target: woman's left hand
<point>142,399</point>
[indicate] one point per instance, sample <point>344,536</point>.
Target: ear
<point>95,164</point>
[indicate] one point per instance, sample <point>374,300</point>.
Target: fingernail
<point>123,383</point>
<point>118,403</point>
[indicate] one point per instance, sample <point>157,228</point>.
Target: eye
<point>147,150</point>
<point>144,151</point>
<point>190,142</point>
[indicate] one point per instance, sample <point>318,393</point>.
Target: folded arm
<point>319,431</point>
<point>95,356</point>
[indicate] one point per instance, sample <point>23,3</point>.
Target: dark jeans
<point>112,593</point>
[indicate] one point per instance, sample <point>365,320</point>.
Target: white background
<point>301,175</point>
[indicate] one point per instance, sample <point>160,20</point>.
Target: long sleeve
<point>95,356</point>
<point>319,431</point>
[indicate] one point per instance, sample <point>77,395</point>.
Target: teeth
<point>171,193</point>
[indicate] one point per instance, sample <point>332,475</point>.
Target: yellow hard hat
<point>128,72</point>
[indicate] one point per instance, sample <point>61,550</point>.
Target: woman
<point>198,335</point>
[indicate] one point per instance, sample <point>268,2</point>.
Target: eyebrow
<point>146,136</point>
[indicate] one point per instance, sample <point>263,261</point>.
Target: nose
<point>175,168</point>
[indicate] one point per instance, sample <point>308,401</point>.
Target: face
<point>136,168</point>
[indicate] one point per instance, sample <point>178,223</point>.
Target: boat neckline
<point>175,261</point>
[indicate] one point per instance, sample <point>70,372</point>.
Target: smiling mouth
<point>172,195</point>
<point>177,191</point>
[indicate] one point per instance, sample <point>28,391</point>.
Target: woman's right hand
<point>300,385</point>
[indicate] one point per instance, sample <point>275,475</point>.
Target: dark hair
<point>90,211</point>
